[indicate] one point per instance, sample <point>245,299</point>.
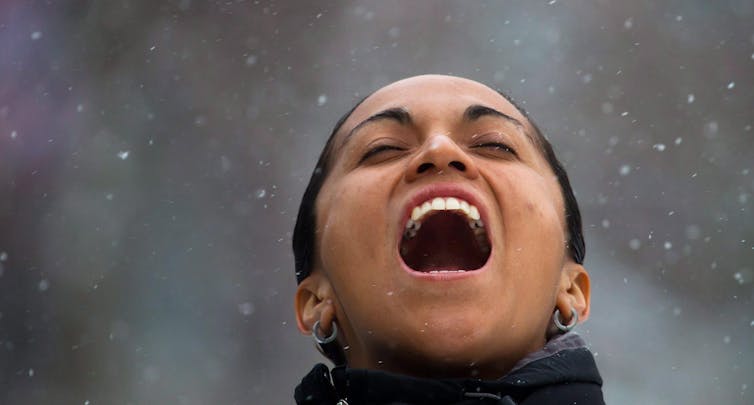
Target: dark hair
<point>306,222</point>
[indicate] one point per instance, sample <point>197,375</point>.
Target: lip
<point>442,190</point>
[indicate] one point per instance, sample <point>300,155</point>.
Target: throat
<point>445,243</point>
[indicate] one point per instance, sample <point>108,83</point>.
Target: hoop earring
<point>327,339</point>
<point>559,323</point>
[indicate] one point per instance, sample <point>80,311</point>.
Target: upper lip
<point>430,191</point>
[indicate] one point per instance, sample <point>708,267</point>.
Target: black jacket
<point>562,373</point>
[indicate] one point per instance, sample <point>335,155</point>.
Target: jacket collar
<point>563,359</point>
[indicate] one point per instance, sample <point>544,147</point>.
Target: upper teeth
<point>442,204</point>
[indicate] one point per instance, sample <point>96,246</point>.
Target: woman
<point>439,256</point>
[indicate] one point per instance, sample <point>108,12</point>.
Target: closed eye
<point>377,150</point>
<point>496,147</point>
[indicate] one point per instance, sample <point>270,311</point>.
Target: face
<point>467,293</point>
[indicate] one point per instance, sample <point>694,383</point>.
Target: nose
<point>441,155</point>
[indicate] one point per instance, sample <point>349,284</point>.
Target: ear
<point>574,291</point>
<point>314,302</point>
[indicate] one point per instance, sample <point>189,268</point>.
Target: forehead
<point>432,97</point>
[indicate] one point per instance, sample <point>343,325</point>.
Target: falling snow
<point>246,308</point>
<point>123,155</point>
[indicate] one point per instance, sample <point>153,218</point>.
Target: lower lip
<point>449,276</point>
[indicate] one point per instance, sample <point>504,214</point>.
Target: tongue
<point>444,242</point>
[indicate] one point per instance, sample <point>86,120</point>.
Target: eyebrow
<point>476,111</point>
<point>403,117</point>
<point>397,114</point>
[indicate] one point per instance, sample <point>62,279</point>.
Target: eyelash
<point>497,146</point>
<point>378,149</point>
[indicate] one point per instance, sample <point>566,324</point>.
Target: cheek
<point>533,220</point>
<point>352,226</point>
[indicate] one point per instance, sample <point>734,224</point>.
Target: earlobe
<point>314,302</point>
<point>574,291</point>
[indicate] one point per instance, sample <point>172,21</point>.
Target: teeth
<point>474,224</point>
<point>442,204</point>
<point>452,204</point>
<point>411,228</point>
<point>426,207</point>
<point>446,271</point>
<point>438,204</point>
<point>465,207</point>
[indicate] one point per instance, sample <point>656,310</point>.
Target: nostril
<point>458,165</point>
<point>424,167</point>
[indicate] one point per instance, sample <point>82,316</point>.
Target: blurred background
<point>153,154</point>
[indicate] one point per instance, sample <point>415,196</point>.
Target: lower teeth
<point>447,271</point>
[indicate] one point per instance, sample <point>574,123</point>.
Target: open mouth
<point>445,235</point>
